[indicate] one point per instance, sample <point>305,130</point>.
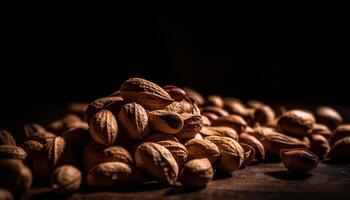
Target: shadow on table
<point>150,186</point>
<point>182,190</point>
<point>286,175</point>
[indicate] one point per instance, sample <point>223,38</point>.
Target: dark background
<point>274,51</point>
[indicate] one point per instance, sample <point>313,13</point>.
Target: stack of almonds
<point>144,132</point>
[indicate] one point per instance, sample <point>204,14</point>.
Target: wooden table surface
<point>263,181</point>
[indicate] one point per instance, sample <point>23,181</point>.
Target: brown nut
<point>328,116</point>
<point>33,129</point>
<point>144,92</point>
<point>249,154</point>
<point>320,129</point>
<point>42,137</point>
<point>233,121</point>
<point>211,116</point>
<point>77,108</point>
<point>202,148</point>
<point>264,115</point>
<point>235,108</point>
<point>194,95</point>
<point>299,160</point>
<point>166,121</point>
<point>134,121</point>
<point>177,149</point>
<point>255,143</point>
<point>103,127</point>
<point>340,150</point>
<point>214,100</point>
<point>197,173</point>
<point>66,179</point>
<point>6,138</point>
<point>255,104</point>
<point>186,105</point>
<point>69,121</point>
<point>319,145</point>
<point>339,133</point>
<point>108,174</point>
<point>296,122</point>
<point>274,142</point>
<point>223,131</point>
<point>158,162</point>
<point>11,151</point>
<point>77,138</point>
<point>54,154</point>
<point>15,176</point>
<point>31,147</point>
<point>95,154</point>
<point>206,121</point>
<point>216,110</point>
<point>192,126</point>
<point>175,92</point>
<point>5,194</point>
<point>113,104</point>
<point>231,153</point>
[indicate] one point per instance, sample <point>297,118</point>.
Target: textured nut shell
<point>10,151</point>
<point>108,174</point>
<point>177,149</point>
<point>192,126</point>
<point>6,138</point>
<point>148,94</point>
<point>114,104</point>
<point>134,120</point>
<point>255,143</point>
<point>339,133</point>
<point>328,116</point>
<point>249,154</point>
<point>166,121</point>
<point>32,129</point>
<point>157,161</point>
<point>31,147</point>
<point>202,148</point>
<point>299,160</point>
<point>340,150</point>
<point>231,153</point>
<point>15,176</point>
<point>197,173</point>
<point>274,142</point>
<point>95,154</point>
<point>233,121</point>
<point>54,154</point>
<point>66,179</point>
<point>296,122</point>
<point>103,127</point>
<point>186,105</point>
<point>42,137</point>
<point>223,131</point>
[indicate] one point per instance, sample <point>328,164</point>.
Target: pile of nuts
<point>144,132</point>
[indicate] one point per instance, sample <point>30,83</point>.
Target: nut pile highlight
<point>144,132</point>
